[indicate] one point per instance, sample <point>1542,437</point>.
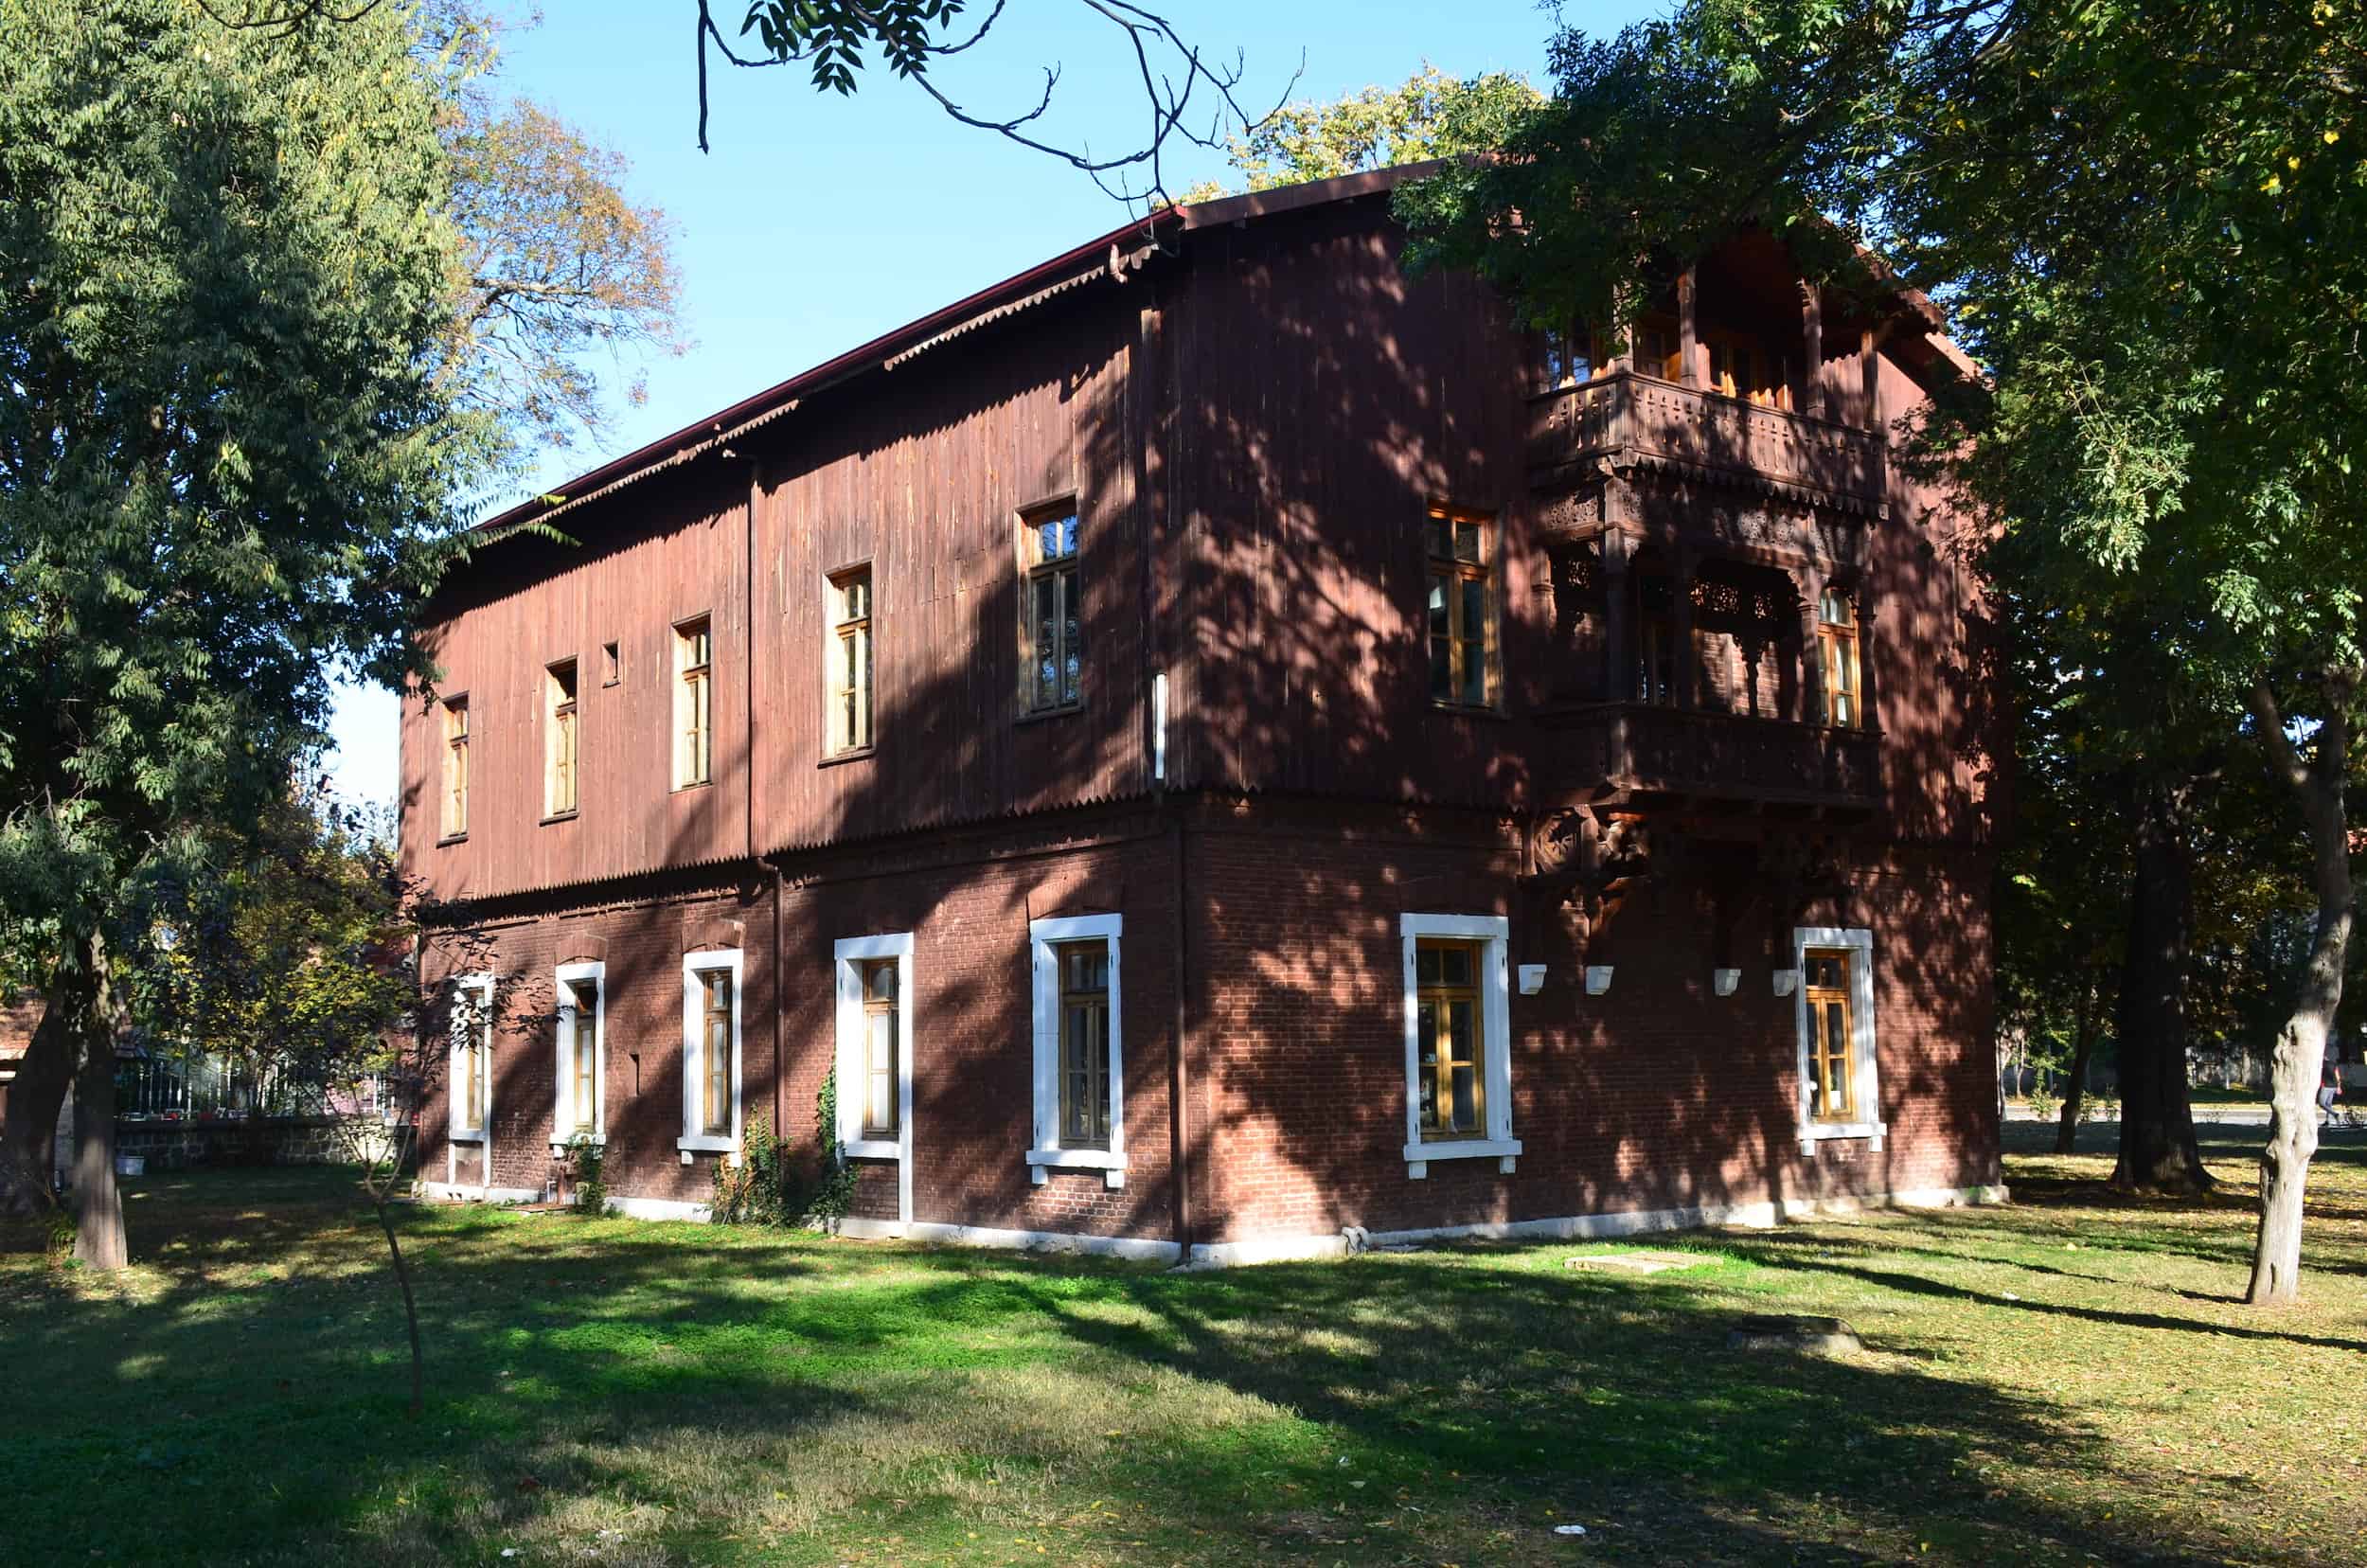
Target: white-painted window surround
<point>565,1115</point>
<point>695,968</point>
<point>1046,1151</point>
<point>850,953</point>
<point>472,1022</point>
<point>1857,942</point>
<point>1497,1143</point>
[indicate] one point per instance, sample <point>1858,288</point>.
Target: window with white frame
<point>1458,1040</point>
<point>1080,1047</point>
<point>873,1055</point>
<point>710,1052</point>
<point>471,1077</point>
<point>1833,1011</point>
<point>582,1111</point>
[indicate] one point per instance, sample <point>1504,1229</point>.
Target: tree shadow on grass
<point>752,1386</point>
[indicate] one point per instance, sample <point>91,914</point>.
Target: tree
<point>286,955</point>
<point>229,459</point>
<point>2151,224</point>
<point>1431,114</point>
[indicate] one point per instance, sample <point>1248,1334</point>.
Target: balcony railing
<point>1626,749</point>
<point>1654,421</point>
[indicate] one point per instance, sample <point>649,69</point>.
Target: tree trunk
<point>2301,1048</point>
<point>2076,1089</point>
<point>410,1306</point>
<point>28,1134</point>
<point>99,1240</point>
<point>2158,1149</point>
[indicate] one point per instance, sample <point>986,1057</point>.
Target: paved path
<point>2239,1115</point>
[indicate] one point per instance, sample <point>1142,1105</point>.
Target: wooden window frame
<point>563,744</point>
<point>1840,651</point>
<point>694,703</point>
<point>611,664</point>
<point>1436,1061</point>
<point>468,1082</point>
<point>838,738</point>
<point>568,1118</point>
<point>1854,944</point>
<point>874,1008</point>
<point>1491,936</point>
<point>1047,939</point>
<point>453,775</point>
<point>698,1070</point>
<point>1454,571</point>
<point>1085,1057</point>
<point>849,954</point>
<point>1035,567</point>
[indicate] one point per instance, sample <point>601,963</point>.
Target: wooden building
<point>1225,752</point>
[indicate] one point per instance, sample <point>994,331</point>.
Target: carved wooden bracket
<point>1590,864</point>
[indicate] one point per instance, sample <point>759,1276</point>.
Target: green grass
<point>2067,1378</point>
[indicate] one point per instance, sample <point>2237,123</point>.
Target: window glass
<point>1084,969</point>
<point>1459,612</point>
<point>1450,1082</point>
<point>882,1035</point>
<point>1054,599</point>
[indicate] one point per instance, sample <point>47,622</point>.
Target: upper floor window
<point>559,764</point>
<point>612,665</point>
<point>1564,357</point>
<point>455,766</point>
<point>1741,369</point>
<point>848,660</point>
<point>1836,652</point>
<point>694,703</point>
<point>1461,608</point>
<point>1052,607</point>
<point>1657,348</point>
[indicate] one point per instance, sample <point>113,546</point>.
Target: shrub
<point>765,1188</point>
<point>585,1157</point>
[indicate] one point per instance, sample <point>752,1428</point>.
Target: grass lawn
<point>2067,1378</point>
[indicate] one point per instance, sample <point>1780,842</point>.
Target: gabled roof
<point>1110,254</point>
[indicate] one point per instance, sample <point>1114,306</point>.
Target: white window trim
<point>1046,1155</point>
<point>563,1112</point>
<point>1495,1043</point>
<point>694,1043</point>
<point>1858,943</point>
<point>460,1020</point>
<point>848,954</point>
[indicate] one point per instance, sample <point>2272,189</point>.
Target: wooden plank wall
<point>656,553</point>
<point>924,476</point>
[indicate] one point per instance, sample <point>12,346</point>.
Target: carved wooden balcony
<point>1639,422</point>
<point>1628,751</point>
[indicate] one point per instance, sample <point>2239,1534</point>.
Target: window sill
<point>708,1143</point>
<point>468,1135</point>
<point>694,784</point>
<point>595,1140</point>
<point>557,816</point>
<point>1812,1133</point>
<point>451,838</point>
<point>873,1149</point>
<point>1034,716</point>
<point>852,754</point>
<point>1419,1155</point>
<point>1469,710</point>
<point>1110,1163</point>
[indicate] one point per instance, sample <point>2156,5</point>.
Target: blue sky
<point>819,222</point>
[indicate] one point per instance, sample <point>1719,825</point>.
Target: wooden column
<point>1618,683</point>
<point>1688,331</point>
<point>1812,342</point>
<point>1811,580</point>
<point>1681,622</point>
<point>1870,372</point>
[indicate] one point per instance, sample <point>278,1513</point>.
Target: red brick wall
<point>1659,1094</point>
